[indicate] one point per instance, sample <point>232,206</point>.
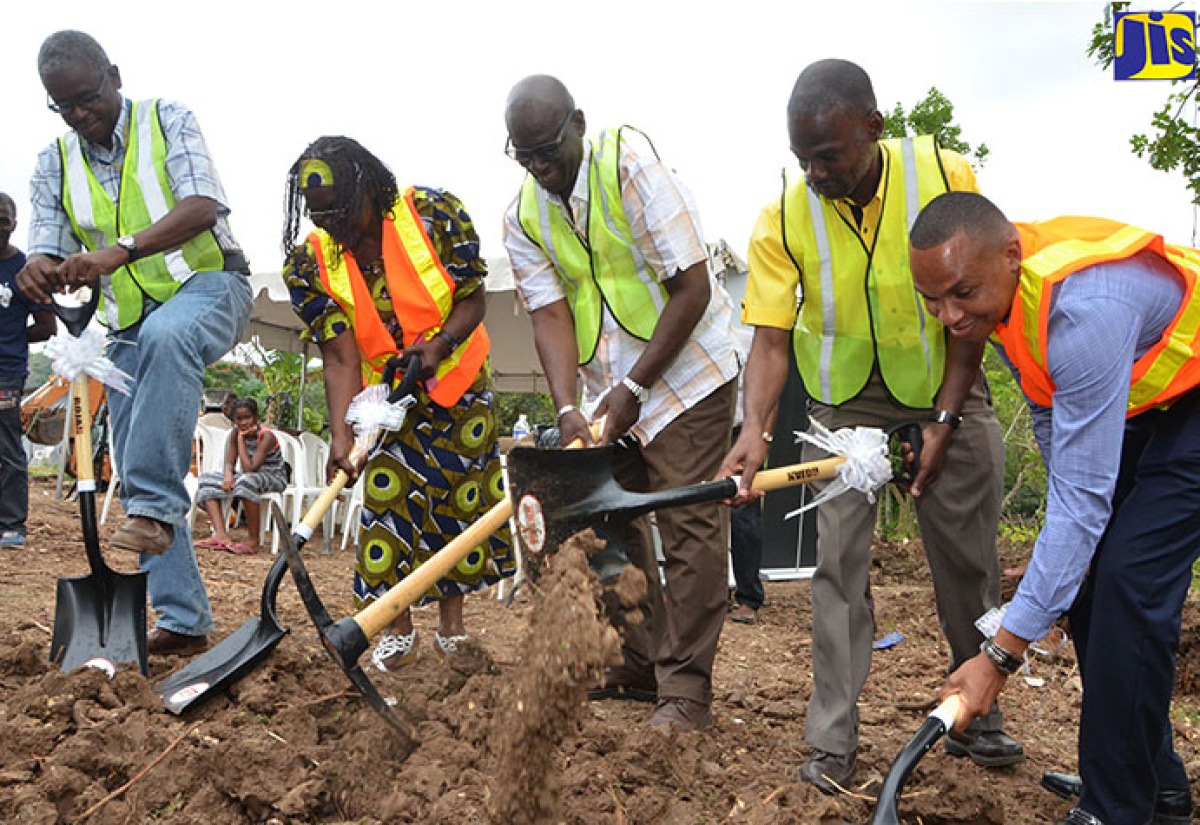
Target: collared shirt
<point>774,288</point>
<point>189,168</point>
<point>666,230</point>
<point>1127,305</point>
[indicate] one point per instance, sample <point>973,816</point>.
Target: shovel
<point>239,652</point>
<point>348,639</point>
<point>559,494</point>
<point>937,724</point>
<point>99,619</point>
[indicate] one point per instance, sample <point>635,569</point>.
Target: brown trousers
<point>682,624</point>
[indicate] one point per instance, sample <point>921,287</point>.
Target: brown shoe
<point>683,715</point>
<point>141,534</point>
<point>744,614</point>
<point>163,642</point>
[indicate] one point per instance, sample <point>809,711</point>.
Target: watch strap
<point>639,392</point>
<point>946,417</point>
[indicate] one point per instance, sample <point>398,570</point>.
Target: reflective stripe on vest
<point>422,294</point>
<point>1053,250</point>
<point>606,267</point>
<point>145,197</point>
<point>838,334</point>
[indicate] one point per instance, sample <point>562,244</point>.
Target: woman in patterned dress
<point>426,483</point>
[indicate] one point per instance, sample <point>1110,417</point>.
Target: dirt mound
<point>293,742</point>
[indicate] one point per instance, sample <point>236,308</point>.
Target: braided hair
<point>358,177</point>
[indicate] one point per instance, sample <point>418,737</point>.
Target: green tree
<point>934,115</point>
<point>1172,144</point>
<point>40,369</point>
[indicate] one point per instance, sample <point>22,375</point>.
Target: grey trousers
<point>957,517</point>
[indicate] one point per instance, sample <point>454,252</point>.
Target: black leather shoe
<point>1062,785</point>
<point>625,683</point>
<point>829,772</point>
<point>1171,806</point>
<point>990,748</point>
<point>1078,817</point>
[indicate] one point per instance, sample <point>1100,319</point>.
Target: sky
<point>423,87</point>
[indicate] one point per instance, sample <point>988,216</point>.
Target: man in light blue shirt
<point>129,202</point>
<point>1100,324</point>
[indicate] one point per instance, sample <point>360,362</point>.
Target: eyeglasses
<point>85,102</point>
<point>546,151</point>
<point>325,214</point>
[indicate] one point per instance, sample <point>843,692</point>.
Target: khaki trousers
<point>957,517</point>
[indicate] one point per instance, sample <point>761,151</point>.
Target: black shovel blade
<point>236,654</point>
<point>100,621</point>
<point>344,641</point>
<point>557,493</point>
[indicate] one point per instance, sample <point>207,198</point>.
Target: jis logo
<point>1154,45</point>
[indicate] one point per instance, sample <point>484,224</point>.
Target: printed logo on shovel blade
<point>531,524</point>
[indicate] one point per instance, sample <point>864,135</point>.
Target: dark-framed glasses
<point>325,214</point>
<point>85,102</point>
<point>545,151</point>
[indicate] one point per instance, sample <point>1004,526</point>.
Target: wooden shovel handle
<point>318,509</point>
<point>383,611</point>
<point>81,428</point>
<point>793,474</point>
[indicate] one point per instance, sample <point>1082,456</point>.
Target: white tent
<point>515,363</point>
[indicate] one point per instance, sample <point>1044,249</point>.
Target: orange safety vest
<point>422,294</point>
<point>1052,250</point>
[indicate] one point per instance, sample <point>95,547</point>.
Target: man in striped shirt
<point>609,259</point>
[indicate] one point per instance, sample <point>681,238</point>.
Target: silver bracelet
<point>566,408</point>
<point>1005,662</point>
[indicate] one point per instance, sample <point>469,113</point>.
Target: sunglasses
<point>85,102</point>
<point>325,214</point>
<point>545,152</point>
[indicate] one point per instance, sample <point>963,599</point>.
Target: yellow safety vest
<point>1052,250</point>
<point>145,197</point>
<point>603,268</point>
<point>859,306</point>
<point>422,295</point>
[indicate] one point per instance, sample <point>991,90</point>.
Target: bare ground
<point>293,743</point>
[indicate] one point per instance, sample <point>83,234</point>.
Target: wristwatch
<point>127,243</point>
<point>945,417</point>
<point>639,392</point>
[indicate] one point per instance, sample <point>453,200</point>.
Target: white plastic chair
<point>114,479</point>
<point>289,499</point>
<point>210,444</point>
<point>353,509</point>
<point>315,454</point>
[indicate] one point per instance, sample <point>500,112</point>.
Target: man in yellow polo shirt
<point>829,278</point>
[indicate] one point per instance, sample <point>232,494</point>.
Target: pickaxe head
<point>344,640</point>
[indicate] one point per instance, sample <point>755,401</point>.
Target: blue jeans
<point>14,478</point>
<point>153,428</point>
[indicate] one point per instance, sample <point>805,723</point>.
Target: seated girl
<point>254,466</point>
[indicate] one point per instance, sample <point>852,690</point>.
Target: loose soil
<point>292,742</point>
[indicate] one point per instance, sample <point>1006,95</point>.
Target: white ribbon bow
<point>867,467</point>
<point>73,357</point>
